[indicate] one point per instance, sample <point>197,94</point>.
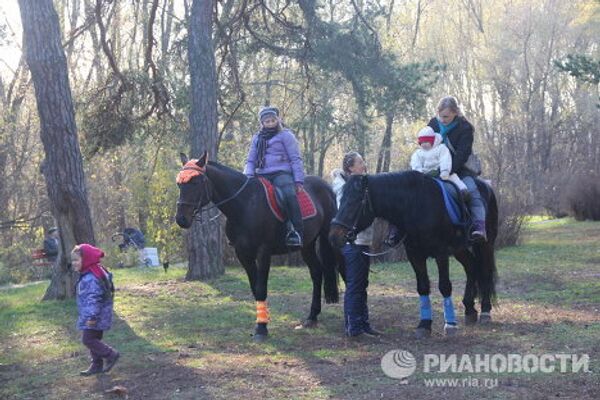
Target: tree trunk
<point>360,120</point>
<point>203,241</point>
<point>383,161</point>
<point>63,167</point>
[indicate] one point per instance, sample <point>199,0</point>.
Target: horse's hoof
<point>310,323</point>
<point>450,330</point>
<point>422,333</point>
<point>260,338</point>
<point>471,319</point>
<point>485,318</point>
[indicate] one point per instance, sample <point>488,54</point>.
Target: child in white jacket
<point>433,156</point>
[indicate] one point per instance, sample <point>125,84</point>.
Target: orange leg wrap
<point>262,312</point>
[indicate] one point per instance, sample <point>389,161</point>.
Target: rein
<point>220,203</point>
<point>366,253</point>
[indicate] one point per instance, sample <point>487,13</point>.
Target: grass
<point>193,339</point>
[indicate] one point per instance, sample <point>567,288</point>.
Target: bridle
<point>353,230</point>
<point>350,236</point>
<point>207,195</point>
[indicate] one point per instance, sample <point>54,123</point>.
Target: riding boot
<point>295,233</point>
<point>479,234</point>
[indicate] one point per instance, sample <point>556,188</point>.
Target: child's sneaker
<point>95,368</point>
<point>111,361</point>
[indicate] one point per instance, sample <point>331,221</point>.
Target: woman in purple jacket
<point>274,154</point>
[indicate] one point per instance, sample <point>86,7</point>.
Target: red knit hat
<point>427,139</point>
<point>426,135</point>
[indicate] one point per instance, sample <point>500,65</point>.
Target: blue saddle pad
<point>454,209</point>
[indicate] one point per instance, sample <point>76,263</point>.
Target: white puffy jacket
<point>429,160</point>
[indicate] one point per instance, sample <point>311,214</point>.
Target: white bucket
<point>151,253</point>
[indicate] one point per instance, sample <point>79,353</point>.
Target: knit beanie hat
<point>427,134</point>
<point>268,112</point>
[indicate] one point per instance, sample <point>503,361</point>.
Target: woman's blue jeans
<point>356,312</point>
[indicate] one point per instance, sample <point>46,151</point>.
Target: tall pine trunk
<point>203,240</point>
<point>62,167</point>
<point>384,158</point>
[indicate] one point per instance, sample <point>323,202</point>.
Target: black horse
<point>256,234</point>
<point>414,203</point>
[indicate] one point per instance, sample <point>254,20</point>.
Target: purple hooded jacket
<point>94,300</point>
<point>283,154</point>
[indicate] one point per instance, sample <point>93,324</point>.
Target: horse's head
<point>355,213</point>
<point>195,189</point>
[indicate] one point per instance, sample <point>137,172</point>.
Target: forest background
<point>347,75</point>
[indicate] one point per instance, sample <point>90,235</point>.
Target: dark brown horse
<point>254,231</point>
<point>414,203</point>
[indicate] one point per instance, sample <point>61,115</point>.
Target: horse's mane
<point>390,188</point>
<point>225,169</point>
<point>392,179</point>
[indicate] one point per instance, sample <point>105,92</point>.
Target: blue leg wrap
<point>425,307</point>
<point>449,310</point>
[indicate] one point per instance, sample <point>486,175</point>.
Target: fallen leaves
<point>118,390</point>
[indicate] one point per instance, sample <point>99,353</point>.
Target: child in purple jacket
<point>274,154</point>
<point>95,305</point>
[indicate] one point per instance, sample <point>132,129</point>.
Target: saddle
<point>275,201</point>
<point>456,206</point>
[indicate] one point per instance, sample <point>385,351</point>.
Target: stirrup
<point>293,239</point>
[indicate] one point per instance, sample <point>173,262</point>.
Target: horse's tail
<point>330,272</point>
<point>485,260</point>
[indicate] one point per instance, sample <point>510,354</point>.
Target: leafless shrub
<point>582,196</point>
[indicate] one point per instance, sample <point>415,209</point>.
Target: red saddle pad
<point>307,206</point>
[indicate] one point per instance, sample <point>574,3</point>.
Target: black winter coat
<point>461,138</point>
<point>51,248</point>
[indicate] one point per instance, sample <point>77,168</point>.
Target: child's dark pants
<point>92,339</point>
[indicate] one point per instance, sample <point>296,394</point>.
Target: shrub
<point>511,215</point>
<point>582,196</point>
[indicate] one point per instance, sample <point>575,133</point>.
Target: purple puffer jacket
<point>283,154</point>
<point>93,303</point>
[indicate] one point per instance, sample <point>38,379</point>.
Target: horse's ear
<point>202,161</point>
<point>183,158</point>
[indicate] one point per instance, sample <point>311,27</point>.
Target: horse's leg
<point>248,261</point>
<point>486,278</point>
<point>419,264</point>
<point>445,286</point>
<point>262,311</point>
<point>309,255</point>
<point>466,259</point>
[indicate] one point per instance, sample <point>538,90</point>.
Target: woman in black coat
<point>451,123</point>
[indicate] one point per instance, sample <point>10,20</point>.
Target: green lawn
<point>192,340</point>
